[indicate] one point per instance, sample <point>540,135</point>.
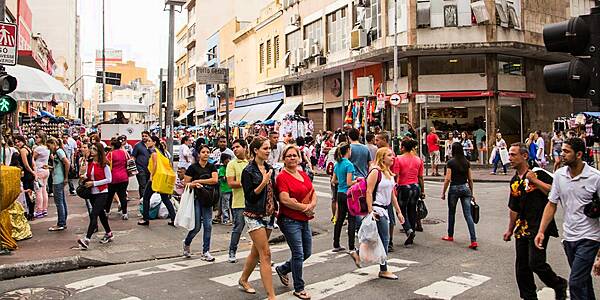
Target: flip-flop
<point>284,279</point>
<point>302,295</point>
<point>390,277</point>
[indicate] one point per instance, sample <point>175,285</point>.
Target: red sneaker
<point>448,238</point>
<point>473,245</point>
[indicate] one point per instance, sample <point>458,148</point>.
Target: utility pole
<point>104,114</point>
<point>171,74</point>
<point>160,103</point>
<point>394,108</point>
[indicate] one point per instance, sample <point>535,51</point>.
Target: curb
<point>42,267</point>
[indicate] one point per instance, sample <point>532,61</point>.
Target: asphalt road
<point>432,268</point>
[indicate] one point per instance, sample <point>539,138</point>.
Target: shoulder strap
<point>376,183</point>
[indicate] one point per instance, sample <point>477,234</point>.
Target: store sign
<point>428,99</point>
<point>205,75</point>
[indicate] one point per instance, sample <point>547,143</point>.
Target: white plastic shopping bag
<point>185,217</point>
<point>371,248</point>
<point>504,156</point>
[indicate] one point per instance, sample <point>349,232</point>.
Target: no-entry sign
<point>8,44</point>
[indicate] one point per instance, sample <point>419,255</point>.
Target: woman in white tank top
<point>380,184</point>
<point>41,154</point>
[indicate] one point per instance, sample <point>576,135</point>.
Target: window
<point>261,57</point>
<point>456,64</point>
<point>313,31</point>
<point>269,52</point>
<point>337,31</point>
<point>402,69</point>
<point>191,12</point>
<point>423,13</point>
<point>275,51</point>
<point>292,42</point>
<point>450,16</point>
<point>510,65</point>
<point>369,18</point>
<point>293,90</point>
<point>401,18</point>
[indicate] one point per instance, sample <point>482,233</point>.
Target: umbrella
<point>35,85</point>
<point>44,113</point>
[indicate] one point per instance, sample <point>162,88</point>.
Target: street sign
<point>205,75</point>
<point>8,44</point>
<point>111,78</point>
<point>7,105</point>
<point>395,99</point>
<point>421,99</point>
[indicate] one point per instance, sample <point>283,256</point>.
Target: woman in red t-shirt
<point>117,160</point>
<point>297,200</point>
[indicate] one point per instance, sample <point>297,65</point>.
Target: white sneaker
<point>207,257</point>
<point>125,217</point>
<point>232,258</point>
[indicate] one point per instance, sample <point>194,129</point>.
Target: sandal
<point>143,223</point>
<point>247,289</point>
<point>390,276</point>
<point>302,295</point>
<point>284,278</point>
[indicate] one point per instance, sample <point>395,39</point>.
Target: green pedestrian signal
<point>7,105</point>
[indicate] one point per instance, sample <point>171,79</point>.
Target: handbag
<point>186,214</point>
<point>164,178</point>
<point>131,166</point>
<point>475,211</point>
<point>83,191</point>
<point>421,209</point>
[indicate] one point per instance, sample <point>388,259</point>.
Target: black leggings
<point>408,195</point>
<point>120,189</point>
<point>98,204</point>
<point>342,212</point>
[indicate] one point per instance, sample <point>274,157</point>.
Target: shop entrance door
<point>510,124</point>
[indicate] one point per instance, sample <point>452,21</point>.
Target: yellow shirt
<point>234,169</point>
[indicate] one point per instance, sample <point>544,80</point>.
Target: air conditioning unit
<point>361,3</point>
<point>298,57</point>
<point>315,50</point>
<point>295,20</point>
<point>320,60</point>
<point>358,39</point>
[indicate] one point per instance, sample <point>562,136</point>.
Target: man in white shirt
<point>185,153</point>
<point>215,156</point>
<point>276,148</point>
<point>574,186</point>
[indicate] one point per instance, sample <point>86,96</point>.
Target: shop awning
<point>466,94</point>
<point>238,114</point>
<point>261,112</point>
<point>184,115</point>
<point>284,109</point>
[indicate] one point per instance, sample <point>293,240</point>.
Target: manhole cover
<point>37,293</point>
<point>431,221</point>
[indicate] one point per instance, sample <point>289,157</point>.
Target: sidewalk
<point>48,252</point>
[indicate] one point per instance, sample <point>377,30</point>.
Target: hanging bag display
<point>164,178</point>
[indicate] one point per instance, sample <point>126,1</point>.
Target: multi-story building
<point>58,23</point>
<point>182,105</point>
<point>204,19</point>
<point>480,61</point>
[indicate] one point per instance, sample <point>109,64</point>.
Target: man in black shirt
<point>528,197</point>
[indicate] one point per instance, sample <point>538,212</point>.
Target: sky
<point>138,27</point>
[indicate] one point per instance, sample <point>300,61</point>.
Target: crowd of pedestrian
<point>265,182</point>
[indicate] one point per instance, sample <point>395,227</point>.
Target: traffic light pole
<point>170,79</point>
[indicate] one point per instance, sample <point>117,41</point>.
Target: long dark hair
<point>158,144</point>
<point>256,143</point>
<point>459,155</point>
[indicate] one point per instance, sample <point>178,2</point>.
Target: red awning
<point>517,95</point>
<point>469,94</point>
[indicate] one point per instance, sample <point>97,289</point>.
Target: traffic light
<point>7,85</point>
<point>579,36</point>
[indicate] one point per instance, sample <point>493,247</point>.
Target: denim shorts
<point>264,222</point>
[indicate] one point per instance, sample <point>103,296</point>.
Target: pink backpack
<point>357,196</point>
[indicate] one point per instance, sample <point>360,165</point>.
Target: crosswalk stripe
<point>100,281</point>
<point>323,289</point>
<point>232,279</point>
<point>452,286</point>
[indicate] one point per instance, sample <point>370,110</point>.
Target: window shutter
<point>501,12</point>
<point>480,11</point>
<point>423,13</point>
<point>464,12</point>
<point>437,13</point>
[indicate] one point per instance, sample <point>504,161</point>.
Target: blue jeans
<point>383,228</point>
<point>238,227</point>
<point>61,203</point>
<point>581,255</point>
<point>463,193</point>
<point>203,216</point>
<point>498,160</point>
<point>299,237</point>
<point>225,206</point>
